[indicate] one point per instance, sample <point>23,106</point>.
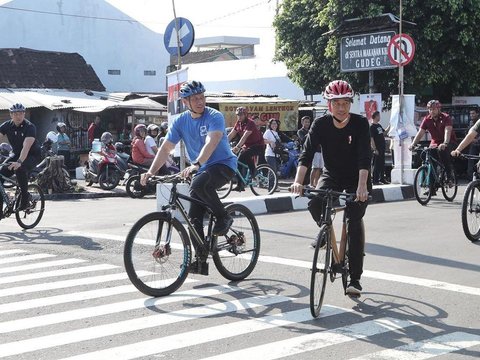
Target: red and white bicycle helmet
<point>434,104</point>
<point>338,89</point>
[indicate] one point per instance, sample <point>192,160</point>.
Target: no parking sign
<point>401,49</point>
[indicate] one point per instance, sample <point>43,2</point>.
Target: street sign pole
<point>400,96</point>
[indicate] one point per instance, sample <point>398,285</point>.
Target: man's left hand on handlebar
<point>296,188</point>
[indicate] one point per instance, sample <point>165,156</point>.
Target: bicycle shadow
<point>42,236</point>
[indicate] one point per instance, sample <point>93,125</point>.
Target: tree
<point>447,38</point>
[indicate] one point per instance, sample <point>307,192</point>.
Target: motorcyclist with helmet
<point>151,139</point>
<point>345,141</point>
<point>440,127</point>
<point>107,140</point>
<point>26,153</point>
<point>63,142</point>
<point>140,154</point>
<point>203,131</point>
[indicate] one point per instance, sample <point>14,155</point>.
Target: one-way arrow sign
<point>186,36</point>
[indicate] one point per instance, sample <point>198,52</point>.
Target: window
<point>114,72</point>
<point>149,72</point>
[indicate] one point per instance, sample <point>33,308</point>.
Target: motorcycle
<point>102,168</point>
<point>288,161</point>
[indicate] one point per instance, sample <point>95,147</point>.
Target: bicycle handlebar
<point>349,197</point>
<point>175,178</point>
<point>470,156</point>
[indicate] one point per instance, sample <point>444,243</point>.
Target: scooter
<point>289,160</point>
<point>102,168</point>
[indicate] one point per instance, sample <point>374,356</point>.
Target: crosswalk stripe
<point>14,259</point>
<point>67,298</point>
<point>318,340</point>
<point>64,284</point>
<point>90,312</point>
<point>41,265</point>
<point>215,333</point>
<point>54,273</point>
<point>12,251</point>
<point>433,284</point>
<point>95,332</point>
<point>426,349</point>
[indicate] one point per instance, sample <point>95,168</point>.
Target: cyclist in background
<point>21,135</point>
<point>471,137</point>
<point>439,125</point>
<point>203,131</point>
<point>251,142</point>
<point>345,141</point>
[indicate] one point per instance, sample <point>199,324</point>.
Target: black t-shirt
<point>345,151</point>
<point>377,134</point>
<point>16,136</point>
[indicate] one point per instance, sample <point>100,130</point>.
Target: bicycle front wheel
<point>265,180</point>
<point>422,187</point>
<point>471,211</point>
<point>156,266</point>
<point>449,189</point>
<point>224,191</point>
<point>32,214</point>
<point>320,270</point>
<point>236,254</point>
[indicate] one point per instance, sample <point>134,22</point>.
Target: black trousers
<point>246,157</point>
<point>379,166</point>
<point>353,217</point>
<point>204,188</point>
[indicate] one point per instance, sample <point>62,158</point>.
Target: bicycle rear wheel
<point>449,192</point>
<point>236,254</point>
<point>265,180</point>
<point>155,267</point>
<point>224,191</point>
<point>320,270</point>
<point>471,211</point>
<point>422,187</point>
<point>31,216</point>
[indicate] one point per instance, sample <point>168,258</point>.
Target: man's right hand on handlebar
<point>296,188</point>
<point>144,178</point>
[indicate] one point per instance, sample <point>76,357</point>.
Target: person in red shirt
<point>251,142</point>
<point>94,130</point>
<point>439,125</point>
<point>140,155</point>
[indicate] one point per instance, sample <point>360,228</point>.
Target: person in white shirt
<point>151,139</point>
<point>271,137</point>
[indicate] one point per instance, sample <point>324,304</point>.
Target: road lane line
<point>202,336</point>
<point>45,264</point>
<point>14,259</point>
<point>426,349</point>
<point>12,251</point>
<point>112,308</point>
<point>433,284</point>
<point>126,326</point>
<point>55,273</point>
<point>317,340</point>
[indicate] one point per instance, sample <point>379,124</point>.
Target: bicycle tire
<point>132,183</point>
<point>449,193</point>
<point>346,267</point>
<point>236,254</point>
<point>320,271</point>
<point>225,190</point>
<point>31,216</point>
<point>150,268</point>
<point>265,180</point>
<point>422,187</point>
<point>471,211</point>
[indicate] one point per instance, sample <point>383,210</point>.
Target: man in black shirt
<point>377,133</point>
<point>21,135</point>
<point>345,142</point>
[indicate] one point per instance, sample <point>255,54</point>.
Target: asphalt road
<point>64,294</point>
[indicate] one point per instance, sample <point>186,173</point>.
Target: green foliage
<point>447,38</point>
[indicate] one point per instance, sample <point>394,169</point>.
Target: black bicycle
<point>158,254</point>
<point>329,261</point>
<point>471,204</point>
<point>431,176</point>
<point>29,217</point>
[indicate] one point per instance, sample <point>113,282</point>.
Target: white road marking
<point>214,333</point>
<point>45,264</point>
<point>121,327</point>
<point>12,251</point>
<point>426,349</point>
<point>111,308</point>
<point>14,259</point>
<point>317,340</point>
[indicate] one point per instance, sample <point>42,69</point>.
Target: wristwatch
<point>19,161</point>
<point>197,163</point>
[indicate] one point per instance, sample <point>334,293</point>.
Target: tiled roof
<point>195,57</point>
<point>28,68</point>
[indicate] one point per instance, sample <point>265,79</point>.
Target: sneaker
<point>198,267</point>
<point>323,242</point>
<point>222,225</point>
<point>239,188</point>
<point>354,288</point>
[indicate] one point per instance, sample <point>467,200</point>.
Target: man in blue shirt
<point>203,131</point>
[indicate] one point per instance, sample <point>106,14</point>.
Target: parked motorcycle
<point>288,161</point>
<point>102,168</point>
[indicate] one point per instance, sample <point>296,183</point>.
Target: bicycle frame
<point>9,203</point>
<point>431,163</point>
<point>328,214</point>
<point>247,179</point>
